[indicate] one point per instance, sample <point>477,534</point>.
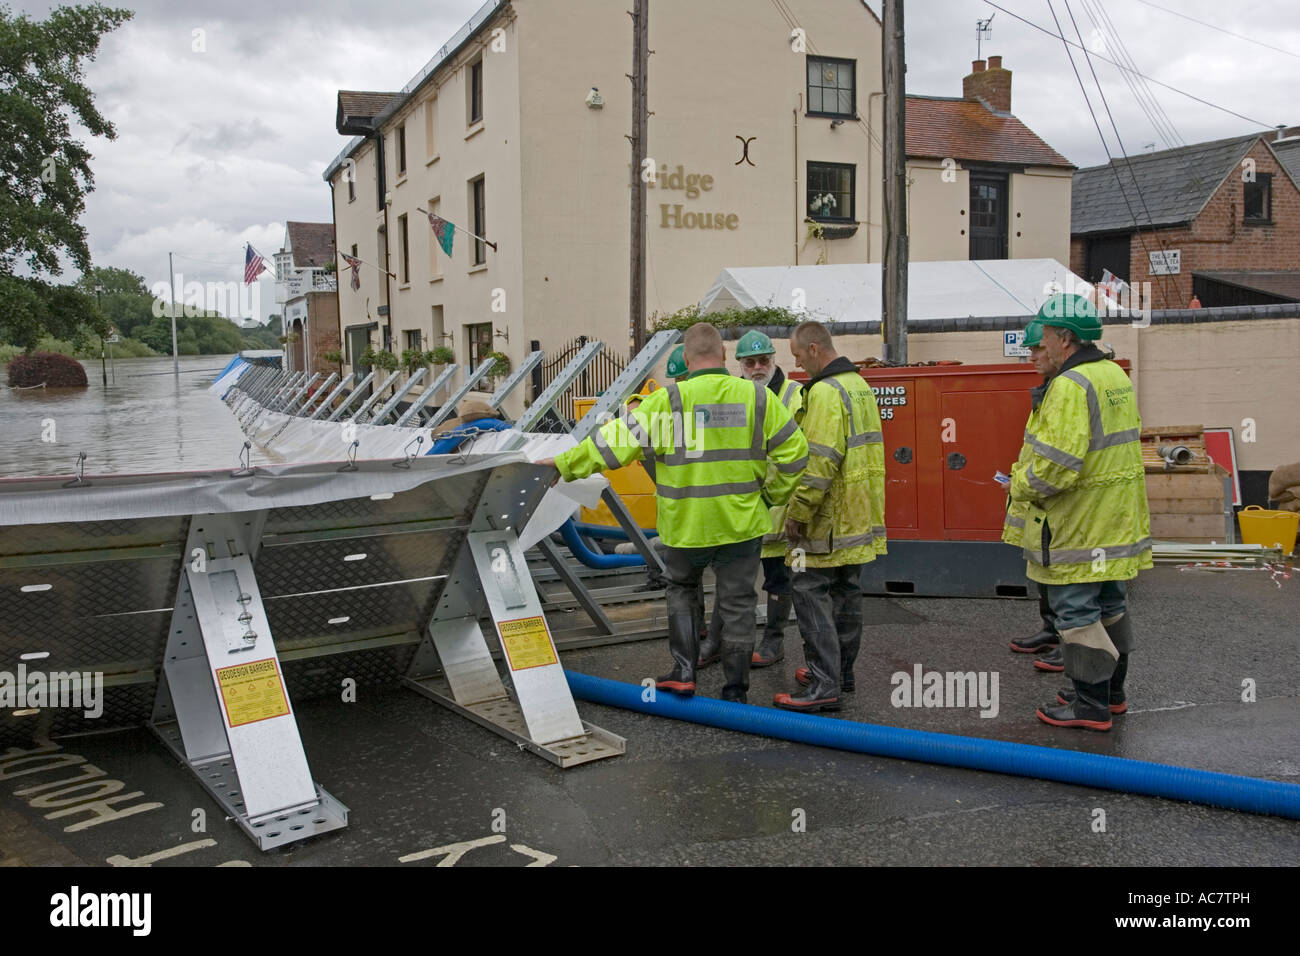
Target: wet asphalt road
<point>417,777</point>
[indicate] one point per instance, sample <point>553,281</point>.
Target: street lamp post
<point>103,368</point>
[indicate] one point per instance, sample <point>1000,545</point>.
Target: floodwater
<point>145,420</point>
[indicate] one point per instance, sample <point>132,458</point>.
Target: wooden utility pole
<point>894,311</point>
<point>640,122</point>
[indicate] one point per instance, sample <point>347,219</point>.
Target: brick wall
<point>323,308</point>
<point>1218,240</point>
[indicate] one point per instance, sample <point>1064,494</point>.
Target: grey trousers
<point>828,605</point>
<point>735,566</point>
<point>1091,603</point>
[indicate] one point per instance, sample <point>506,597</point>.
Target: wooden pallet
<point>1186,501</point>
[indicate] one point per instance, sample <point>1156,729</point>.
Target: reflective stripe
<point>1084,555</point>
<point>792,467</point>
<point>792,390</point>
<point>1121,438</point>
<point>848,404</point>
<point>1056,456</point>
<point>1094,407</point>
<point>679,423</point>
<point>878,531</point>
<point>708,491</point>
<point>712,455</point>
<point>1029,437</point>
<point>773,538</point>
<point>760,416</point>
<point>607,453</point>
<point>1039,485</point>
<point>865,438</point>
<point>824,545</point>
<point>780,438</point>
<point>639,433</point>
<point>814,481</point>
<point>1015,522</point>
<point>825,451</point>
<point>1098,438</point>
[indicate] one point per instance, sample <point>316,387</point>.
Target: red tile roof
<point>312,243</point>
<point>942,127</point>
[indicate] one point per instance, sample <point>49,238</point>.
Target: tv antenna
<point>983,31</point>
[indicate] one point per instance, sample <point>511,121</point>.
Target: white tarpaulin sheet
<point>935,290</point>
<point>287,438</point>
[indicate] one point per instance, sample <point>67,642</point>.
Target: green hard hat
<point>1033,334</point>
<point>753,343</point>
<point>1072,312</point>
<point>677,363</point>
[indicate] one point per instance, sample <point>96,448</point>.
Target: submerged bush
<point>48,368</point>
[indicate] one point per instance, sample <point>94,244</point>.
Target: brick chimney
<point>993,85</point>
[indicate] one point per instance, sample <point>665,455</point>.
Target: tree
<point>45,172</point>
<point>123,298</point>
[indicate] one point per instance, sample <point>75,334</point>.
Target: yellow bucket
<point>1270,529</point>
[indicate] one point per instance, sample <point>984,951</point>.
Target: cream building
<point>764,142</point>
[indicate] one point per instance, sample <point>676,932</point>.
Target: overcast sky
<point>223,134</point>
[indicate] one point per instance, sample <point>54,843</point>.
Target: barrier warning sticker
<point>252,692</point>
<point>527,643</point>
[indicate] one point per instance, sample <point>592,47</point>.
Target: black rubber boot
<point>683,645</point>
<point>772,648</point>
<point>817,696</point>
<point>1044,640</point>
<point>847,683</point>
<point>1088,711</point>
<point>1117,702</point>
<point>735,668</point>
<point>711,645</point>
<point>1053,661</point>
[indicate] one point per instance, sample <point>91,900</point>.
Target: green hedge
<point>758,315</point>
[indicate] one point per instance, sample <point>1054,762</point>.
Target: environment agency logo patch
<point>721,416</point>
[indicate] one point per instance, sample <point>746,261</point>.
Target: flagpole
<point>176,362</point>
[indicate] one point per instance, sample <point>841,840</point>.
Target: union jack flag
<point>355,265</point>
<point>254,265</point>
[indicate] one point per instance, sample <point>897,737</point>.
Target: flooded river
<point>146,420</point>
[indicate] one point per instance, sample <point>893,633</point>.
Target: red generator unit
<point>949,429</point>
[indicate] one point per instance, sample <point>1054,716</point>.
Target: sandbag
<point>1284,476</point>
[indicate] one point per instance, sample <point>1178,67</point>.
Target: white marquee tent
<point>935,290</point>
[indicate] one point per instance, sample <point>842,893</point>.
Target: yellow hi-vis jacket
<point>774,544</point>
<point>1013,526</point>
<point>1083,487</point>
<point>841,497</point>
<point>712,437</point>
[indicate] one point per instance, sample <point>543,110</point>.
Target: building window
<point>830,192</point>
<point>435,250</point>
<point>475,92</point>
<point>350,174</point>
<point>401,150</point>
<point>832,87</point>
<point>1257,200</point>
<point>478,219</point>
<point>412,339</point>
<point>388,338</point>
<point>404,249</point>
<point>479,339</point>
<point>354,250</point>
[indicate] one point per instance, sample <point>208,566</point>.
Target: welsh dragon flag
<point>444,230</point>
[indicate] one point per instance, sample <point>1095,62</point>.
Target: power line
<point>1213,26</point>
<point>1190,96</point>
<point>1106,30</point>
<point>1093,113</point>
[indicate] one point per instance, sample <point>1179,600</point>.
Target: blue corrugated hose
<point>593,559</point>
<point>1025,760</point>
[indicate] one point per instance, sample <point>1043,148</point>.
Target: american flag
<point>355,265</point>
<point>254,265</point>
